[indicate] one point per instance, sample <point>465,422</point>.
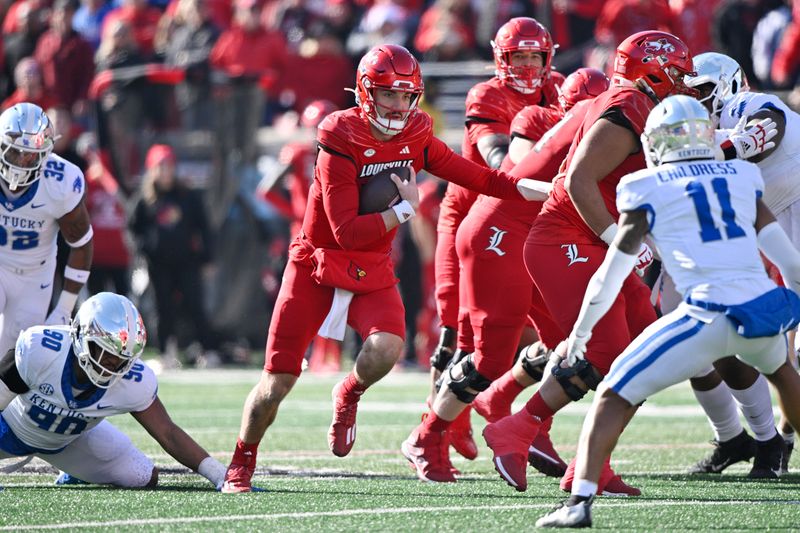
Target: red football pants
<point>302,306</point>
<point>562,273</point>
<point>446,272</point>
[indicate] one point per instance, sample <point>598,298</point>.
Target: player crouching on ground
<point>708,223</point>
<point>61,382</point>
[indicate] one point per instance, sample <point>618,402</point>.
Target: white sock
<point>720,409</point>
<point>756,405</point>
<point>584,488</point>
<point>788,437</point>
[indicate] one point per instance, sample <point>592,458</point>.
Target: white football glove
<point>576,347</point>
<point>756,139</point>
<point>644,260</point>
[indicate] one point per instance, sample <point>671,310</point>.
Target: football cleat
<point>429,456</point>
<point>543,456</point>
<point>578,515</point>
<point>786,457</point>
<point>459,433</point>
<point>768,459</point>
<point>509,439</point>
<point>66,479</point>
<point>342,433</point>
<point>609,484</point>
<point>238,479</point>
<point>740,448</point>
<point>491,405</point>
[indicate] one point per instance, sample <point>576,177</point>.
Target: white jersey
<point>29,224</point>
<point>53,413</point>
<point>702,216</point>
<point>780,168</point>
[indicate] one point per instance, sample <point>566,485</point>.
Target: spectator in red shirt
<point>66,59</point>
<point>28,78</point>
<point>786,63</point>
<point>143,20</point>
<point>253,59</point>
<point>446,31</point>
<point>691,20</point>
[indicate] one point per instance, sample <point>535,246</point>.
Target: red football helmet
<point>582,84</point>
<point>522,33</point>
<point>656,61</point>
<point>389,67</point>
<point>315,112</point>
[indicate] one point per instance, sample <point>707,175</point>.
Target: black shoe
<point>786,457</point>
<point>769,456</point>
<point>740,448</point>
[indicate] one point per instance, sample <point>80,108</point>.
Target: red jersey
<point>349,155</point>
<point>491,108</point>
<point>559,221</point>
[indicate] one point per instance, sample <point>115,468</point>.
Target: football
<point>380,192</point>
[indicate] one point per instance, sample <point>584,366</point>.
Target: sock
<point>351,388</point>
<point>756,405</point>
<point>245,454</point>
<point>507,387</point>
<point>544,429</point>
<point>584,488</point>
<point>788,437</point>
<point>538,408</point>
<point>721,411</point>
<point>434,424</point>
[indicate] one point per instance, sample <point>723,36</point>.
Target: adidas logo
<point>405,150</point>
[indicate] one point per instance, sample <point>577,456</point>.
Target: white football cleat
<point>564,515</point>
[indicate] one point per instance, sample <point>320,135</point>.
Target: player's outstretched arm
<point>606,283</point>
<point>76,229</point>
<point>176,442</point>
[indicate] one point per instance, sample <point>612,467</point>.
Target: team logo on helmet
<point>123,339</point>
<point>661,46</point>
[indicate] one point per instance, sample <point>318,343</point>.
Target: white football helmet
<point>26,139</point>
<point>678,129</point>
<point>107,323</point>
<point>724,73</point>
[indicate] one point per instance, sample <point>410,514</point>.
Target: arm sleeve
<point>340,201</point>
<point>446,164</point>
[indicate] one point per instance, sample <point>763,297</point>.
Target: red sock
<point>434,424</point>
<point>245,454</point>
<point>538,408</point>
<point>545,427</point>
<point>351,388</point>
<point>507,387</point>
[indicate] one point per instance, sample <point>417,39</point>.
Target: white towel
<point>335,323</point>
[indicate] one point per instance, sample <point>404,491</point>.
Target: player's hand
<point>576,346</point>
<point>753,140</point>
<point>58,317</point>
<point>644,260</point>
<point>408,189</point>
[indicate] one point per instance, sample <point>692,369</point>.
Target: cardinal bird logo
<point>661,46</point>
<point>356,272</point>
<point>123,339</point>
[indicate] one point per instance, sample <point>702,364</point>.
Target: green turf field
<point>308,489</point>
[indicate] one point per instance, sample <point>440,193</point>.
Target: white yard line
<point>371,512</point>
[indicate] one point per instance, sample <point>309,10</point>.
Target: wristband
<point>404,211</point>
<point>66,302</point>
<point>609,233</point>
<point>83,240</point>
<point>79,276</point>
<point>212,470</point>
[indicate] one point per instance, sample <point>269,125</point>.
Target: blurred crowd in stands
<point>128,84</point>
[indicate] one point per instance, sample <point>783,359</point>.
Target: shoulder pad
<point>485,100</point>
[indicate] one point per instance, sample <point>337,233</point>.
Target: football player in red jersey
<point>523,53</point>
<point>496,289</point>
<point>569,239</point>
<point>339,270</point>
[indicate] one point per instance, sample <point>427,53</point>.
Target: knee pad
<point>457,357</point>
<point>469,380</point>
<point>534,359</point>
<point>443,353</point>
<point>584,371</point>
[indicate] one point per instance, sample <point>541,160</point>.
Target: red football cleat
<point>342,433</point>
<point>609,484</point>
<point>238,479</point>
<point>543,456</point>
<point>429,456</point>
<point>460,435</point>
<point>509,439</point>
<point>492,405</point>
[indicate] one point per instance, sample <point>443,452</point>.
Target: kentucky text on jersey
<point>695,169</point>
<point>18,222</point>
<point>373,168</point>
<point>45,405</point>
